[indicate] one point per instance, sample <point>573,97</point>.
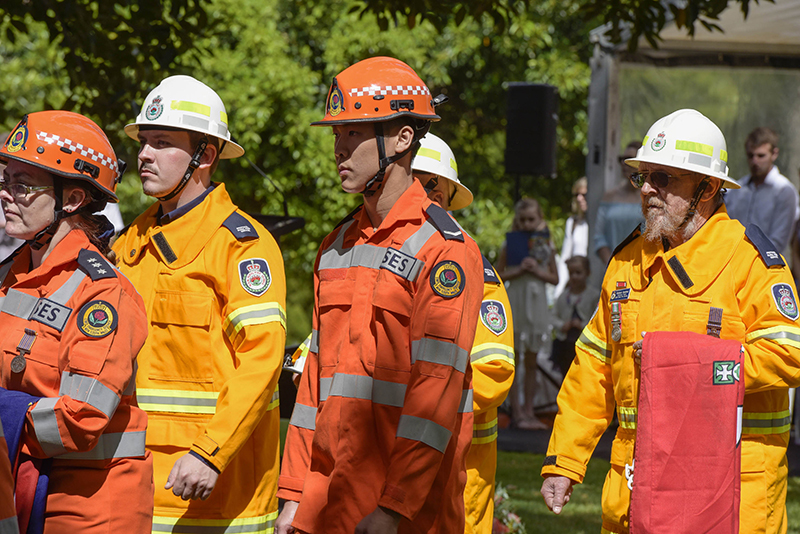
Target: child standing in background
<point>525,279</point>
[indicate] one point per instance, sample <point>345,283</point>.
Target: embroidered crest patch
<point>785,300</point>
<point>18,138</point>
<point>336,100</point>
<point>447,279</point>
<point>255,276</point>
<point>97,318</point>
<point>155,109</point>
<point>658,142</point>
<point>726,372</point>
<point>493,316</point>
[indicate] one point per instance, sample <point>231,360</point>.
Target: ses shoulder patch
<point>95,265</point>
<point>783,294</point>
<point>254,276</point>
<point>447,279</point>
<point>97,318</point>
<point>240,227</point>
<point>493,316</point>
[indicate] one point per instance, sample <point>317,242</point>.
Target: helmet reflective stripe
<point>435,157</point>
<point>185,103</point>
<point>687,140</point>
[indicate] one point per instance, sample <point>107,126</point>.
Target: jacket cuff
<point>206,448</point>
<point>209,464</point>
<point>563,466</point>
<point>393,498</point>
<point>290,489</point>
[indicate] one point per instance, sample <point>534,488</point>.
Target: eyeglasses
<point>660,179</point>
<point>18,190</point>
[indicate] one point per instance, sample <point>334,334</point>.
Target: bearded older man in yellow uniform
<point>689,263</point>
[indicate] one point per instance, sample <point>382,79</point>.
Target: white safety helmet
<point>686,139</point>
<point>185,103</point>
<point>435,157</point>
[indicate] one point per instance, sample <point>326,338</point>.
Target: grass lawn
<point>519,473</point>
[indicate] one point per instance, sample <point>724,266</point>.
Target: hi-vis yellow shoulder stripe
<point>262,313</point>
<point>592,344</point>
<point>263,524</point>
<point>782,335</point>
<point>177,401</point>
<point>488,352</point>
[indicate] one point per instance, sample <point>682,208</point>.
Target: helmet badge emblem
<point>658,142</point>
<point>155,109</point>
<point>17,140</point>
<point>335,100</point>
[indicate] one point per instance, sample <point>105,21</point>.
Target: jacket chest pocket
<point>335,301</point>
<point>180,336</point>
<point>41,375</point>
<point>392,306</point>
<point>627,324</point>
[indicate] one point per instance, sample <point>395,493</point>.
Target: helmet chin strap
<point>701,187</point>
<point>193,165</point>
<point>44,236</point>
<point>376,182</point>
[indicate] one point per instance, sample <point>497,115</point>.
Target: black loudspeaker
<point>532,116</point>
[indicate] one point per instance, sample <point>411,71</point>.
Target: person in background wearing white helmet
<point>767,198</point>
<point>213,282</point>
<point>492,355</point>
<point>690,269</point>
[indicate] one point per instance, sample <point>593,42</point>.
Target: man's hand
<point>380,521</point>
<point>284,523</point>
<point>637,350</point>
<point>556,491</point>
<point>191,478</point>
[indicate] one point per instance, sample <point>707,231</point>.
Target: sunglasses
<point>660,179</point>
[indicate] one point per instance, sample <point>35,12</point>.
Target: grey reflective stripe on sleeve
<point>19,304</point>
<point>255,314</point>
<point>304,416</point>
<point>441,352</point>
<point>314,345</point>
<point>364,388</point>
<point>782,334</point>
<point>130,389</point>
<point>492,351</point>
<point>423,430</point>
<point>89,390</point>
<point>46,426</point>
<point>9,525</point>
<point>112,445</point>
<point>466,401</point>
<point>65,292</point>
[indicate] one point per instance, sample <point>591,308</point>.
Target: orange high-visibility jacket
<point>492,362</point>
<point>678,290</point>
<point>384,410</point>
<point>83,323</point>
<point>213,283</point>
<point>8,514</point>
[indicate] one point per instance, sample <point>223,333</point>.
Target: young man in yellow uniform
<point>213,282</point>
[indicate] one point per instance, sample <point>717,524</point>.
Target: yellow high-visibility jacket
<point>213,283</point>
<point>492,361</point>
<point>719,267</point>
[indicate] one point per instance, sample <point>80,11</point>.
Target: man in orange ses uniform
<point>213,282</point>
<point>492,356</point>
<point>379,435</point>
<point>8,514</point>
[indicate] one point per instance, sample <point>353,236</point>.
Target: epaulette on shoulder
<point>765,248</point>
<point>444,223</point>
<point>489,275</point>
<point>95,265</point>
<point>349,217</point>
<point>628,240</point>
<point>240,227</point>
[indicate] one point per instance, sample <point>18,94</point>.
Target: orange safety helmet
<point>375,90</point>
<point>66,144</point>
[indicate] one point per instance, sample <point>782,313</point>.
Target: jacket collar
<point>695,264</point>
<point>180,240</point>
<point>65,252</point>
<point>410,207</point>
